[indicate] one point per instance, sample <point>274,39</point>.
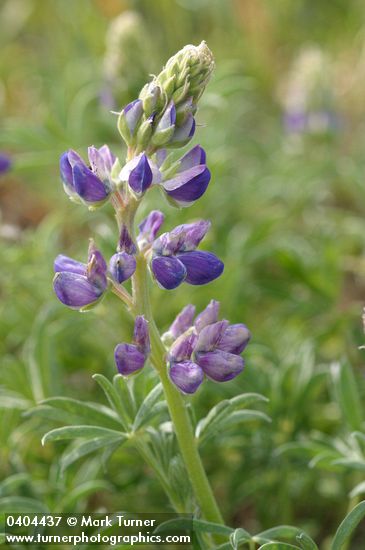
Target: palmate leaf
<point>65,409</point>
<point>348,526</point>
<point>96,438</point>
<point>114,398</point>
<point>83,431</point>
<point>84,448</point>
<point>147,408</point>
<point>227,413</point>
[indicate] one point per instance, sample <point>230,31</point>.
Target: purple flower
<point>79,285</point>
<point>208,316</point>
<point>207,347</point>
<point>5,163</point>
<point>183,321</point>
<point>149,228</point>
<point>140,173</point>
<point>183,347</point>
<point>218,349</point>
<point>82,183</point>
<point>183,134</point>
<point>130,358</point>
<point>175,259</point>
<point>190,179</point>
<point>126,242</point>
<point>187,376</point>
<point>168,118</point>
<point>129,120</point>
<point>122,266</point>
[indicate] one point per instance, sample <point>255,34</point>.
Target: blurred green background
<point>282,122</point>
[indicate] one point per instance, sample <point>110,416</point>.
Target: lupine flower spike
<point>195,347</point>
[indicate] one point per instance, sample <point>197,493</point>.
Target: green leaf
<point>22,504</point>
<point>84,448</point>
<point>145,410</point>
<point>225,414</point>
<point>278,546</point>
<point>12,400</point>
<point>238,537</point>
<point>350,464</point>
<point>13,482</point>
<point>281,531</point>
<point>358,490</point>
<point>348,526</point>
<point>91,413</point>
<point>82,491</point>
<point>245,399</point>
<point>73,432</point>
<point>124,388</point>
<point>306,542</point>
<point>245,416</point>
<point>347,394</point>
<point>113,397</point>
<point>198,525</point>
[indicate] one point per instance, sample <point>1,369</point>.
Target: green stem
<point>177,408</point>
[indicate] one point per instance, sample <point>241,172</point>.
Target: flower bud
<point>187,73</point>
<point>144,133</point>
<point>126,242</point>
<point>150,96</point>
<point>140,173</point>
<point>78,285</point>
<point>128,359</point>
<point>220,365</point>
<point>210,336</point>
<point>122,266</point>
<point>129,119</point>
<point>183,111</point>
<point>208,316</point>
<point>182,348</point>
<point>165,127</point>
<point>183,321</point>
<point>187,376</point>
<point>91,186</point>
<point>140,336</point>
<point>140,177</point>
<point>183,134</point>
<point>235,339</point>
<point>149,228</point>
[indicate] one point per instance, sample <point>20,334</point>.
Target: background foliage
<point>288,212</point>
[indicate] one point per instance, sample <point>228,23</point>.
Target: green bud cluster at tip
<point>176,89</point>
<point>187,73</point>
